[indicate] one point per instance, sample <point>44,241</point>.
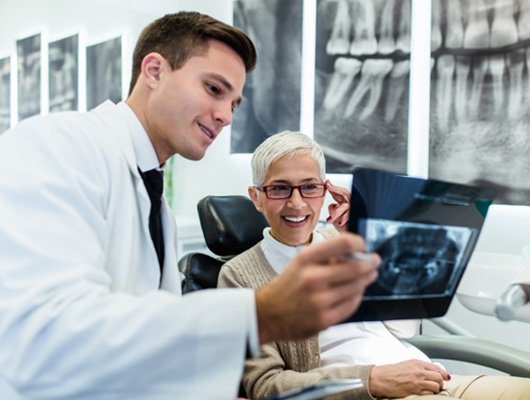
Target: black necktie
<point>154,183</point>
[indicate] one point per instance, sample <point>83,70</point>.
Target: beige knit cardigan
<point>283,365</point>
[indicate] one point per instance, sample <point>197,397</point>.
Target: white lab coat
<point>80,313</point>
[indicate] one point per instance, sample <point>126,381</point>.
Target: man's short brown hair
<point>179,36</point>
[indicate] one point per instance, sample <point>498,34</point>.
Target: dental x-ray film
<point>424,231</point>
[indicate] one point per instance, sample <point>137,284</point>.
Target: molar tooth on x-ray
<point>463,65</point>
<point>345,70</point>
<point>339,41</point>
<point>372,75</point>
<point>515,65</point>
<point>477,32</point>
<point>476,36</point>
<point>503,27</point>
<point>387,43</point>
<point>403,40</point>
<point>445,70</point>
<point>454,35</point>
<point>523,22</point>
<point>436,30</point>
<point>480,69</point>
<point>364,41</point>
<point>398,77</point>
<point>497,69</point>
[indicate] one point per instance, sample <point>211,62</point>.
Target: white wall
<point>219,172</point>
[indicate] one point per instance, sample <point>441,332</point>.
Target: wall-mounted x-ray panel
<point>63,74</point>
<point>29,76</point>
<point>104,72</point>
<point>271,97</point>
<point>480,95</point>
<point>5,94</point>
<point>361,84</point>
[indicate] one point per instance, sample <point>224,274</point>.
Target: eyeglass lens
<point>285,191</point>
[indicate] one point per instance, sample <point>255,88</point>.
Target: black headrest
<point>230,224</point>
<point>200,271</point>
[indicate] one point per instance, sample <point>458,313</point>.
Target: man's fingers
<point>322,253</point>
<point>348,269</point>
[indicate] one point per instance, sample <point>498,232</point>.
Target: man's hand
<point>320,287</point>
<point>406,378</point>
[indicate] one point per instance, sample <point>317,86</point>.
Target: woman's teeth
<point>294,219</point>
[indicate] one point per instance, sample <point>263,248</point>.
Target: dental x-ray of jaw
<point>272,97</point>
<point>362,79</point>
<point>480,95</point>
<point>63,74</point>
<point>417,259</point>
<point>29,76</point>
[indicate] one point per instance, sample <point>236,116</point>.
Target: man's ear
<point>152,66</point>
<point>252,193</point>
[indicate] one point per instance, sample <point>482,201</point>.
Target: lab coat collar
<point>125,125</point>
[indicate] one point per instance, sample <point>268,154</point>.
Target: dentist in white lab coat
<point>84,310</point>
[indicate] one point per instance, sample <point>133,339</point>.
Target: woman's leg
<point>489,387</point>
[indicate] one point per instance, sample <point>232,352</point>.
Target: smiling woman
<point>289,187</point>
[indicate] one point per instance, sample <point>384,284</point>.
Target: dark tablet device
<point>424,230</point>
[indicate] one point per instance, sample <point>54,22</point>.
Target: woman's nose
<point>296,200</point>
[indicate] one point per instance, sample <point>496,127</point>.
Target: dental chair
<point>231,225</point>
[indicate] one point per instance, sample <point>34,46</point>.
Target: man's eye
<point>214,89</point>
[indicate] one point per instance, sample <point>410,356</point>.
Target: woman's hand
<point>406,378</point>
<point>339,211</point>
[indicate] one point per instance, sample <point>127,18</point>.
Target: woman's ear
<point>252,193</point>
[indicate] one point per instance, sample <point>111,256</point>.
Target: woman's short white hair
<point>284,144</point>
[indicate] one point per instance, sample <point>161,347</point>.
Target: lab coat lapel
<point>123,142</point>
<point>171,280</point>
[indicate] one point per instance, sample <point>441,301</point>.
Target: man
<point>90,303</point>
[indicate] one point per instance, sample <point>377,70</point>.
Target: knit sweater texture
<point>284,365</point>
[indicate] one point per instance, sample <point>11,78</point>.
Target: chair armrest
<point>476,351</point>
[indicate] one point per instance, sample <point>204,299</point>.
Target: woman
<point>289,188</point>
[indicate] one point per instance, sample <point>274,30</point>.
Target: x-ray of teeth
<point>103,70</point>
<point>5,92</point>
<point>361,83</point>
<point>480,96</point>
<point>416,258</point>
<point>271,96</point>
<point>63,74</point>
<point>29,80</point>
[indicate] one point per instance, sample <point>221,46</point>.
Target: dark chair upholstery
<point>230,225</point>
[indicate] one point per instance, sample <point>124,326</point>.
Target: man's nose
<point>224,114</point>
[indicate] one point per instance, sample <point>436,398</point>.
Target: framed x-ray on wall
<point>29,76</point>
<point>104,72</point>
<point>63,74</point>
<point>362,58</point>
<point>480,95</point>
<point>5,94</point>
<point>271,97</point>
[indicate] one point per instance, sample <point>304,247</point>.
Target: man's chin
<point>194,156</point>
